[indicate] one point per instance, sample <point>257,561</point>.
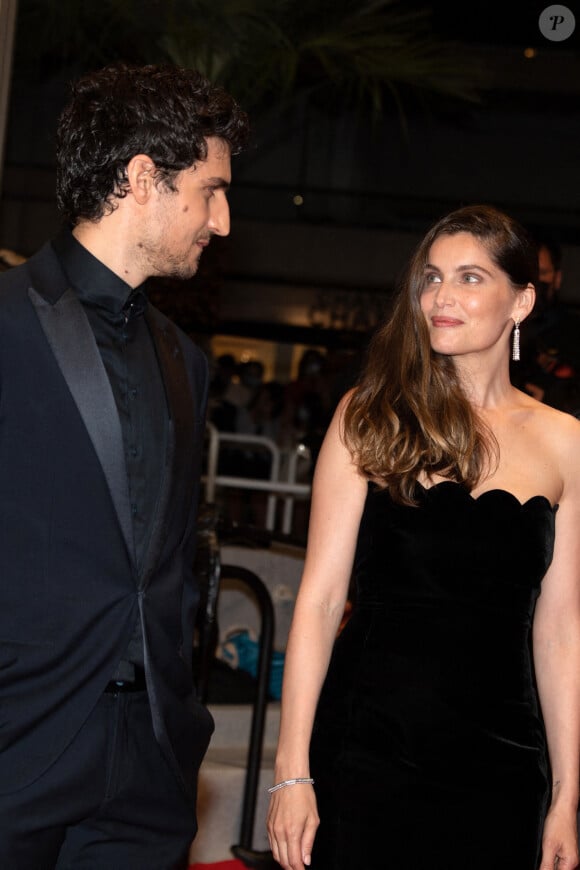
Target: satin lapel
<point>178,480</point>
<point>72,341</point>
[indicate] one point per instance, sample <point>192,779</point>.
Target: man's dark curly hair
<point>165,112</point>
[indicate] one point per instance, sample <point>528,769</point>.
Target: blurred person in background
<point>549,369</point>
<point>10,258</point>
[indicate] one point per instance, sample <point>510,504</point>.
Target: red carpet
<point>221,865</point>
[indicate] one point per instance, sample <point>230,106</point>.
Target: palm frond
<point>267,52</point>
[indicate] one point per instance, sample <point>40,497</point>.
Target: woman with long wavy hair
<point>441,729</point>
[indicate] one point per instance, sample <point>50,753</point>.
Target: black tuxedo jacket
<point>70,591</point>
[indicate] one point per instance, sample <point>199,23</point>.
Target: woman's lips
<point>445,321</point>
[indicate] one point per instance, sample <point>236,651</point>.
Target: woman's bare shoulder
<point>558,424</point>
<point>345,400</point>
<point>550,420</point>
<point>558,434</point>
<point>338,419</point>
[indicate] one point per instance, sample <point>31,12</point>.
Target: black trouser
<point>110,802</point>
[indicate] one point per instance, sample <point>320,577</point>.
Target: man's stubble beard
<point>161,264</point>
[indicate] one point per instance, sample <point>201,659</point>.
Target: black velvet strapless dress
<point>428,749</point>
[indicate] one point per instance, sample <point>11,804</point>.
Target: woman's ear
<point>524,303</point>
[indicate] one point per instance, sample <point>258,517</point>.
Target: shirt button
<point>134,510</point>
<point>133,392</point>
<point>133,452</point>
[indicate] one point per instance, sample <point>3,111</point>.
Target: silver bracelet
<point>301,780</point>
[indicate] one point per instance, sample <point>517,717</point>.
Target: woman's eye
<point>471,279</point>
<point>432,278</point>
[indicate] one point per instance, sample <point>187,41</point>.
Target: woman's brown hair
<point>408,415</point>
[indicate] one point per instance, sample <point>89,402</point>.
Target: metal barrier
<point>284,464</point>
<point>210,572</point>
<point>244,850</point>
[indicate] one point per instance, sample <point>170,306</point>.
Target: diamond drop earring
<point>516,343</point>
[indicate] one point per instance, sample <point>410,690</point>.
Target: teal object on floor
<point>240,650</point>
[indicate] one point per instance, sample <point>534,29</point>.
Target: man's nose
<point>219,221</point>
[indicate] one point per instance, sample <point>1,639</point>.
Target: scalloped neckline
<point>487,492</point>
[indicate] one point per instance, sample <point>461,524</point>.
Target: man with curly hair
<point>101,421</point>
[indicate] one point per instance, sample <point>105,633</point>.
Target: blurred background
<point>370,120</point>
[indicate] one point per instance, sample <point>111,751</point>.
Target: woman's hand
<point>292,823</point>
<point>560,841</point>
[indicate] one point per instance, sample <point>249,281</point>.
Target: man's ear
<point>141,177</point>
<point>524,302</point>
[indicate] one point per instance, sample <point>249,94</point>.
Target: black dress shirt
<point>116,315</point>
